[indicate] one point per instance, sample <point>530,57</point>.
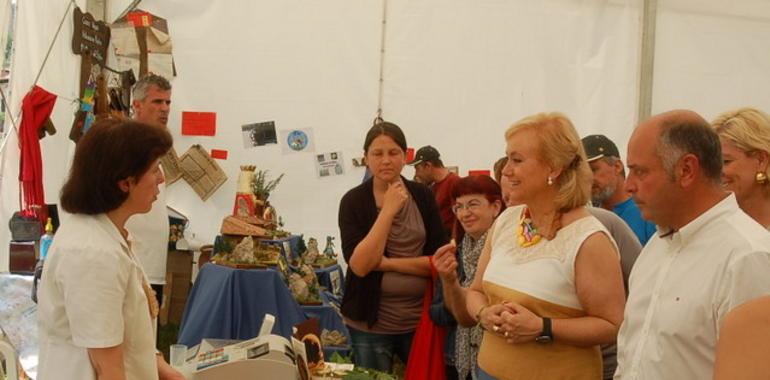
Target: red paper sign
<point>138,19</point>
<point>199,123</point>
<point>409,154</point>
<point>219,154</point>
<point>479,172</point>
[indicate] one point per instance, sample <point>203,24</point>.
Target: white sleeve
<point>746,278</point>
<point>94,283</point>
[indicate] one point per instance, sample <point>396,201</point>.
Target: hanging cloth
<point>36,108</point>
<point>426,357</point>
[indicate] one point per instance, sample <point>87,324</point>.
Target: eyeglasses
<point>470,206</point>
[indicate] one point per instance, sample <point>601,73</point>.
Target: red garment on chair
<point>426,357</point>
<point>36,108</point>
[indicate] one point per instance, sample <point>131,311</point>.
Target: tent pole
<point>381,83</point>
<point>647,64</point>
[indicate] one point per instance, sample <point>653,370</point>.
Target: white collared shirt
<point>681,288</point>
<point>91,296</point>
<point>150,238</point>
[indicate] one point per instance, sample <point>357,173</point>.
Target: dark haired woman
<point>476,202</point>
<point>388,225</point>
<point>96,306</point>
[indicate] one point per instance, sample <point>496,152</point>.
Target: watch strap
<point>547,331</point>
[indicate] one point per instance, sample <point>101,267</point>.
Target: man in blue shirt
<point>608,189</point>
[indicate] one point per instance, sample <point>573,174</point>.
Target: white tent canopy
<point>456,74</point>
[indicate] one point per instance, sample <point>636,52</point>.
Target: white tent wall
<point>5,19</point>
<point>712,56</point>
<point>301,64</point>
<point>36,26</point>
<point>456,74</point>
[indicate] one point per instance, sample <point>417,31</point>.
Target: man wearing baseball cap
<point>430,170</point>
<point>608,190</point>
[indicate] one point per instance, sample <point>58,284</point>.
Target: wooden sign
<point>91,37</point>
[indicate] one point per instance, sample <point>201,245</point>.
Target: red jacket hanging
<point>36,108</point>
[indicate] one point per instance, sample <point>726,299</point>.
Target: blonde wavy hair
<point>559,146</point>
<point>748,128</point>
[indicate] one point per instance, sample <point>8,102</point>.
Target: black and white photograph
<point>259,134</point>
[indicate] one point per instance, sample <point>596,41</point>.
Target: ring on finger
<point>505,334</point>
<point>495,328</point>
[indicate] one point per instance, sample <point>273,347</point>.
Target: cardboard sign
<point>90,37</point>
<point>199,123</point>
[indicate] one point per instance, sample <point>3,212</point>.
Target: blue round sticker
<point>297,140</point>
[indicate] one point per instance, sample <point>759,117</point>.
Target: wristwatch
<point>546,336</point>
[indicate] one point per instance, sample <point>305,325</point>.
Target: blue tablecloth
<point>229,303</point>
<point>325,278</point>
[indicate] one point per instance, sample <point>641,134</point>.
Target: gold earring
<point>550,181</point>
<point>761,178</point>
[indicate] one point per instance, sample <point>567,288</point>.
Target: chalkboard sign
<point>91,37</point>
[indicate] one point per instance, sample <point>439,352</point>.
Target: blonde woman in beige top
<point>551,289</point>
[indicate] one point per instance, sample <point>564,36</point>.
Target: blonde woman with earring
<point>745,138</point>
<point>548,289</point>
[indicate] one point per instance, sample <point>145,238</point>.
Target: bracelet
<point>478,315</point>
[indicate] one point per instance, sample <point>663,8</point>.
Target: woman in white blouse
<point>550,290</point>
<point>96,306</point>
<point>745,138</point>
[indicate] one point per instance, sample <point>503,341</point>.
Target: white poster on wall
<point>297,140</point>
<point>329,164</point>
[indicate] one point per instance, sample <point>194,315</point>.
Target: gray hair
<point>139,91</point>
<point>696,137</point>
<point>611,160</point>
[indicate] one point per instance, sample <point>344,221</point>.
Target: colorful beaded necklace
<point>527,232</point>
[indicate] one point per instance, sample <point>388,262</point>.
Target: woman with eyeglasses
<point>477,201</point>
<point>548,289</point>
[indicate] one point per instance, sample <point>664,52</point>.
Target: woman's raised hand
<point>395,198</point>
<point>446,263</point>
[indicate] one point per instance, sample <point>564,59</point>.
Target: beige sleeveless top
<point>542,279</point>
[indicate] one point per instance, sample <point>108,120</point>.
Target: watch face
<point>543,339</point>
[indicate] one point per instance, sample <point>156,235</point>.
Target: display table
<point>289,246</point>
<point>329,319</point>
<point>227,303</point>
<point>331,278</point>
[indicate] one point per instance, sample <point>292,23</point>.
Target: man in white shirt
<point>151,104</point>
<point>707,257</point>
